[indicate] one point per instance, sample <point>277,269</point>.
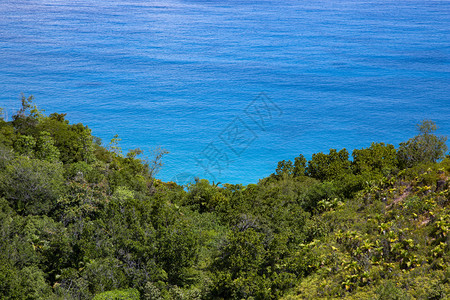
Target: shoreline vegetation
<point>79,220</point>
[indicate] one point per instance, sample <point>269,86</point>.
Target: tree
<point>299,166</point>
<point>24,145</point>
<point>424,147</point>
<point>329,166</point>
<point>45,148</point>
<point>74,142</point>
<point>156,163</point>
<point>7,135</point>
<point>26,119</point>
<point>114,146</point>
<point>31,185</point>
<point>295,169</point>
<point>204,197</point>
<point>284,167</point>
<point>237,266</point>
<point>379,158</point>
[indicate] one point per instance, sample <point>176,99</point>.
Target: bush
<point>31,186</point>
<point>128,294</point>
<point>389,291</point>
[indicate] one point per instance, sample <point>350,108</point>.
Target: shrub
<point>128,294</point>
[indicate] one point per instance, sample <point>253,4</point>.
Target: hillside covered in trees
<point>80,220</point>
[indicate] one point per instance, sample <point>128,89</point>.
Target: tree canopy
<point>423,148</point>
<point>80,220</point>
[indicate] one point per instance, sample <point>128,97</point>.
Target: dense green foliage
<point>79,220</point>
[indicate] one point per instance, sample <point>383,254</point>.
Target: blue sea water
<point>231,87</point>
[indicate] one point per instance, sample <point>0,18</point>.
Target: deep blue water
<point>186,75</point>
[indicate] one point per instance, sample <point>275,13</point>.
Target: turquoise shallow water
<point>188,75</point>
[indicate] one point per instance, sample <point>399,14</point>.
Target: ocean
<point>230,88</point>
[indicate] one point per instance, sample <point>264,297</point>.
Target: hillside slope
<point>82,220</point>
